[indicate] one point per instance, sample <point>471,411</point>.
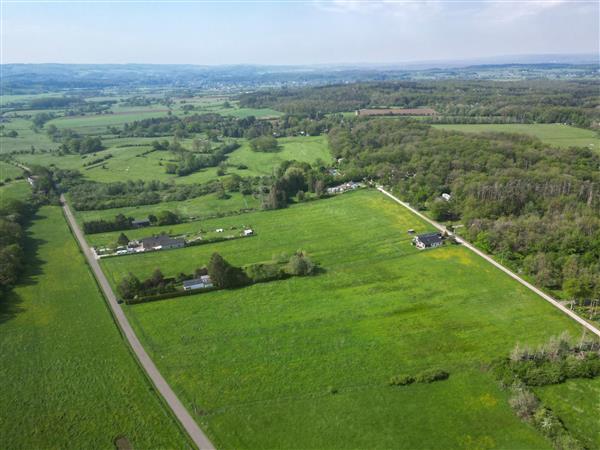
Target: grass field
<point>9,171</point>
<point>26,138</point>
<point>68,380</point>
<point>199,207</point>
<point>128,163</point>
<point>256,365</point>
<point>15,190</point>
<point>550,133</point>
<point>577,403</point>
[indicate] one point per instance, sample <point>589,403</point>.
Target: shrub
<point>431,375</point>
<point>401,380</point>
<point>523,402</point>
<point>300,264</point>
<point>262,272</point>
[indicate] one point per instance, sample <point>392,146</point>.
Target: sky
<point>292,32</point>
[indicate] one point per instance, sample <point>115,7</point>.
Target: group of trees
<point>71,142</point>
<point>223,275</point>
<point>534,206</point>
<point>121,222</point>
<point>13,216</point>
<point>189,162</point>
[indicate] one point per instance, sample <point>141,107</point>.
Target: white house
<point>248,232</point>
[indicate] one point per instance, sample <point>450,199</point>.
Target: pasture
<point>555,134</point>
<point>305,362</point>
<point>130,163</point>
<point>68,379</point>
<point>26,137</point>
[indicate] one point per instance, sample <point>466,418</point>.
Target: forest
<point>547,101</point>
<point>537,208</point>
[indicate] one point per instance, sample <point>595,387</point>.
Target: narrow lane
<point>509,272</point>
<point>182,414</point>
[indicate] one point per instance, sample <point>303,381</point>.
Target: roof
<point>430,238</point>
<point>140,221</point>
<point>204,279</point>
<point>160,240</point>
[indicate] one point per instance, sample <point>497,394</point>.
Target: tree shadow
<point>11,302</point>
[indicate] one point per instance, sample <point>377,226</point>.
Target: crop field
<point>97,123</point>
<point>554,134</point>
<point>577,403</point>
<point>199,207</point>
<point>68,380</point>
<point>305,362</point>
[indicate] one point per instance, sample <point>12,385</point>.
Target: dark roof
<point>161,240</point>
<point>429,239</point>
<point>140,221</point>
<point>202,280</point>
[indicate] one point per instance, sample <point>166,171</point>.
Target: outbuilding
<point>202,282</point>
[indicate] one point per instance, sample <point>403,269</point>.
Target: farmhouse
<point>396,112</point>
<point>198,283</point>
<point>428,240</point>
<point>161,242</point>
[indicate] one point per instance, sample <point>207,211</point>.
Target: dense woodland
<point>536,207</point>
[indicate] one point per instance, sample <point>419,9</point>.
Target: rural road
<point>182,414</point>
<point>530,286</point>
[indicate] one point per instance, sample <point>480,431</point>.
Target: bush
<point>266,144</point>
<point>300,264</point>
<point>431,375</point>
<point>261,272</point>
<point>523,402</point>
<point>401,380</point>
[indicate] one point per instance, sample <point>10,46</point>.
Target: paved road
<point>542,294</point>
<point>182,414</point>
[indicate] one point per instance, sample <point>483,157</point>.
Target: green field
<point>26,138</point>
<point>128,163</point>
<point>15,190</point>
<point>68,379</point>
<point>257,365</point>
<point>550,133</point>
<point>577,403</point>
<point>9,171</point>
<point>199,207</point>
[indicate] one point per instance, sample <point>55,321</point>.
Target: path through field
<point>182,414</point>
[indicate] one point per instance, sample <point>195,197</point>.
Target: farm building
<point>248,232</point>
<point>140,223</point>
<point>202,282</point>
<point>343,187</point>
<point>428,240</point>
<point>161,242</point>
<point>396,112</point>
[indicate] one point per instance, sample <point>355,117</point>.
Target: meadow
<point>26,138</point>
<point>555,134</point>
<point>69,380</point>
<point>129,162</point>
<point>305,362</point>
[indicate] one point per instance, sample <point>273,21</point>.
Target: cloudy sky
<point>293,32</point>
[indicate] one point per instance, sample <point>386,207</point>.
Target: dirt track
<point>182,414</point>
